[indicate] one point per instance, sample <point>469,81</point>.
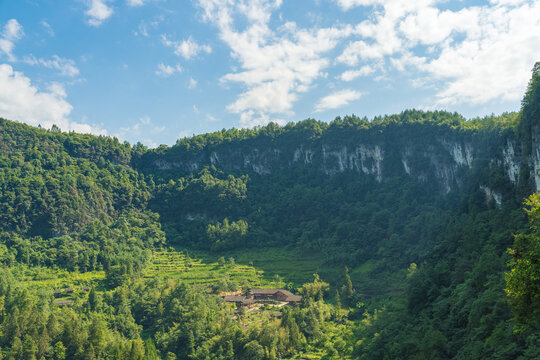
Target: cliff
<point>443,151</point>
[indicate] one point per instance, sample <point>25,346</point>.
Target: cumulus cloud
<point>11,32</point>
<point>349,4</point>
<point>22,101</point>
<point>350,75</point>
<point>192,83</point>
<point>66,67</point>
<point>494,60</point>
<point>337,100</point>
<point>187,49</point>
<point>474,55</point>
<point>168,70</point>
<point>98,12</point>
<point>135,2</point>
<point>277,65</point>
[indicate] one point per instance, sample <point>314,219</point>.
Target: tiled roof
<point>238,298</point>
<point>294,298</point>
<point>62,302</point>
<point>289,295</point>
<point>264,291</point>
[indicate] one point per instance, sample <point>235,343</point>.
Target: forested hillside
<point>406,219</point>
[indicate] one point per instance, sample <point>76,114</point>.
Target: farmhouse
<point>263,295</point>
<point>62,303</point>
<point>273,295</point>
<point>239,300</point>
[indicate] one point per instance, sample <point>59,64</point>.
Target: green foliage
<point>225,235</point>
<point>314,291</point>
<point>425,245</point>
<point>530,110</point>
<point>347,288</point>
<point>523,281</point>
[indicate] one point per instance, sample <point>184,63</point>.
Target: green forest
<point>423,243</point>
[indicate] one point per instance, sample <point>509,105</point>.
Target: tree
<point>530,108</point>
<point>315,290</point>
<point>94,300</point>
<point>150,351</point>
<point>347,289</point>
<point>523,280</point>
<point>254,351</point>
<point>337,306</point>
<point>221,261</point>
<point>59,351</point>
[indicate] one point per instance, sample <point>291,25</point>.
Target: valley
<point>407,236</point>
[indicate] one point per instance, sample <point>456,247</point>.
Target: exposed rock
<point>510,162</point>
<point>444,160</point>
<point>492,196</point>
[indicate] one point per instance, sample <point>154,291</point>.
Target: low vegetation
<point>390,268</point>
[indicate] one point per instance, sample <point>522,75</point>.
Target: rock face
<point>443,159</point>
<point>534,158</point>
<point>363,159</point>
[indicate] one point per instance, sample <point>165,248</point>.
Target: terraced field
<point>291,265</point>
<point>38,277</point>
<point>178,265</point>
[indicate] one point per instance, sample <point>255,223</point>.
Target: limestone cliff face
<point>445,159</point>
<point>533,159</point>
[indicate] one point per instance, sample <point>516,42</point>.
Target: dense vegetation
<point>410,264</point>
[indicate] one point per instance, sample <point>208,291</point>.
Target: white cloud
<point>137,131</point>
<point>98,12</point>
<point>211,118</point>
<point>143,30</point>
<point>48,28</point>
<point>276,65</point>
<point>135,2</point>
<point>337,99</point>
<point>349,4</point>
<point>145,26</point>
<point>350,75</point>
<point>184,134</point>
<point>145,120</point>
<point>22,101</point>
<point>474,55</point>
<point>187,49</point>
<point>168,70</point>
<point>65,66</point>
<point>494,60</point>
<point>192,83</point>
<point>12,32</point>
<point>453,52</point>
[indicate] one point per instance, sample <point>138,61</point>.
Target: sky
<point>155,71</point>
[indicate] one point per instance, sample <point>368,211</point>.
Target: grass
<point>260,267</point>
<point>291,265</point>
<point>176,264</point>
<point>58,279</point>
<point>298,266</point>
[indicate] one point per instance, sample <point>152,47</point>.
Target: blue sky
<point>156,70</point>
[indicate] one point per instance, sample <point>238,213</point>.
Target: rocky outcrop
<point>445,160</point>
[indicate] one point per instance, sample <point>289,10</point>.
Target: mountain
<point>420,207</point>
<point>430,147</point>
